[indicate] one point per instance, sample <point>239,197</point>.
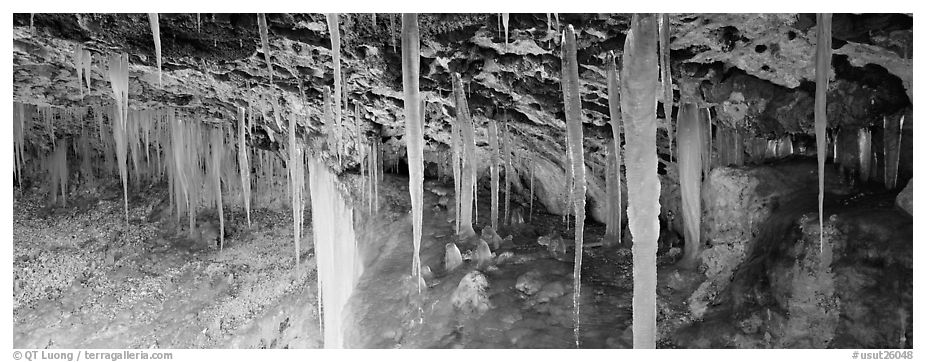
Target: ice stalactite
<point>786,147</point>
<point>893,129</point>
<point>414,130</point>
<point>86,165</point>
<point>244,166</point>
<point>666,73</point>
<point>639,79</point>
<point>295,166</point>
<point>156,33</point>
<point>19,121</point>
<point>392,31</point>
<point>82,64</point>
<point>509,170</point>
<point>265,42</point>
<point>823,62</point>
<point>493,171</point>
<point>338,259</point>
<point>572,104</point>
<point>131,134</point>
<point>119,80</point>
<point>531,212</point>
<point>468,133</point>
<point>613,168</point>
<point>689,170</point>
<point>217,150</point>
<point>455,159</point>
<point>707,145</point>
<point>864,154</point>
<point>505,24</point>
<point>58,172</point>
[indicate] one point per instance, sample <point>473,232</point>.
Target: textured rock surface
<point>905,198</point>
<point>737,202</point>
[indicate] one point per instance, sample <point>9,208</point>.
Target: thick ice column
<point>823,61</point>
<point>572,104</point>
<point>465,123</point>
<point>638,107</point>
<point>338,260</point>
<point>119,80</point>
<point>414,128</point>
<point>689,176</point>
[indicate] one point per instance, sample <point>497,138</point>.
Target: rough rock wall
<point>736,204</point>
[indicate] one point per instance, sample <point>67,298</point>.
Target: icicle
<point>296,184</point>
<point>689,170</point>
<point>509,170</point>
<point>613,172</point>
<point>337,254</point>
<point>119,79</point>
<point>706,146</point>
<point>244,167</point>
<point>549,22</point>
<point>531,215</point>
<point>572,102</point>
<point>465,124</point>
<point>638,108</point>
<point>82,64</point>
<point>891,140</point>
<point>666,71</point>
<point>58,172</point>
<point>455,146</point>
<point>156,33</point>
<point>493,171</point>
<point>392,31</point>
<point>265,42</point>
<point>414,129</point>
<point>336,63</point>
<point>505,24</point>
<point>217,149</point>
<point>864,154</point>
<point>19,121</point>
<point>373,20</point>
<point>823,61</point>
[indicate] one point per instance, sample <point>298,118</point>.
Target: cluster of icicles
<point>201,160</point>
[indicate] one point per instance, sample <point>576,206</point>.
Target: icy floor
<point>529,290</point>
<point>85,279</point>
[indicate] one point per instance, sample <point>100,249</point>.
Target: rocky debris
<point>470,295</point>
<point>554,244</point>
<point>494,240</point>
<point>483,255</point>
<point>905,198</point>
<point>529,283</point>
<point>452,257</point>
